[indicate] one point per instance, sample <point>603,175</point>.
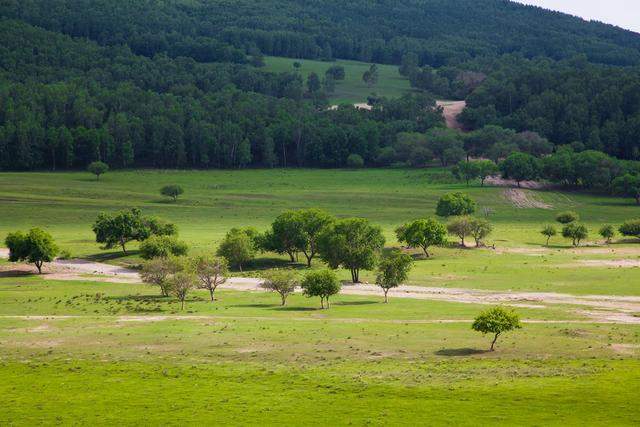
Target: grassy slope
<point>256,363</point>
<point>67,203</point>
<point>352,89</point>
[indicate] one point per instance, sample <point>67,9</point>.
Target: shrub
<point>355,161</point>
<point>162,247</point>
<point>567,217</point>
<point>630,228</point>
<point>455,204</point>
<point>607,232</point>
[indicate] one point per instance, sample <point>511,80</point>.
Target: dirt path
<point>451,111</point>
<point>603,308</point>
<point>524,199</point>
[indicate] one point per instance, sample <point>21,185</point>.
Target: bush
<point>630,228</point>
<point>355,161</point>
<point>567,217</point>
<point>162,247</point>
<point>607,232</point>
<point>455,204</point>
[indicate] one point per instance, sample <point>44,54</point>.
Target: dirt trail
<point>451,111</point>
<point>524,199</point>
<point>604,308</point>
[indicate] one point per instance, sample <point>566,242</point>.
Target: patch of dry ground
<point>524,199</point>
<point>451,110</point>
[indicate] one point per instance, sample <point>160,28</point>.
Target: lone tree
<point>575,232</point>
<point>157,272</point>
<point>607,232</point>
<point>479,229</point>
<point>460,227</point>
<point>211,271</point>
<point>323,284</point>
<point>455,204</point>
<point>172,191</point>
<point>126,226</point>
<point>283,282</point>
<point>238,246</point>
<point>549,231</point>
<point>98,168</point>
<point>630,228</point>
<point>496,321</point>
<point>567,217</point>
<point>352,243</point>
<point>181,284</point>
<point>36,247</point>
<point>392,271</point>
<point>422,233</point>
<point>627,186</point>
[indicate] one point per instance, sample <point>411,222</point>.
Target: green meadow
<point>80,352</point>
<point>352,89</point>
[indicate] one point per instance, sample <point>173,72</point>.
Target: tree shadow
<point>355,303</point>
<point>287,308</point>
<point>17,273</point>
<point>458,352</point>
<point>261,264</point>
<point>111,256</point>
<point>141,298</point>
<point>255,305</point>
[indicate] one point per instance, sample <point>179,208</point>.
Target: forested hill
<point>441,32</point>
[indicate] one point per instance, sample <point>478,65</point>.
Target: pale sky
<point>623,13</point>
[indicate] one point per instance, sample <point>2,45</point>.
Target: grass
<point>244,360</point>
<point>352,89</point>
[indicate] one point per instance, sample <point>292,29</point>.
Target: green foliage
<point>172,191</point>
<point>479,229</point>
<point>97,169</point>
<point>422,233</point>
<point>126,226</point>
<point>521,167</point>
<point>180,284</point>
<point>496,321</point>
<point>212,272</point>
<point>607,232</point>
<point>355,161</point>
<point>446,145</point>
<point>283,282</point>
<point>567,217</point>
<point>576,232</point>
<point>461,227</point>
<point>162,246</point>
<point>158,271</point>
<point>336,72</point>
<point>393,269</point>
<point>352,243</point>
<point>36,247</point>
<point>470,170</point>
<point>455,204</point>
<point>630,228</point>
<point>323,284</point>
<point>549,231</point>
<point>238,246</point>
<point>627,186</point>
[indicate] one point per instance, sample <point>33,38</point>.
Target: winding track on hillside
<point>598,308</point>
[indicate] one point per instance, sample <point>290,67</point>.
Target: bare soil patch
<point>451,110</point>
<point>616,263</point>
<point>524,199</point>
<point>501,182</point>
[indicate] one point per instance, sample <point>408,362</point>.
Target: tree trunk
<point>284,299</point>
<point>39,266</point>
<point>327,298</point>
<point>124,249</point>
<point>182,305</point>
<point>240,267</point>
<point>386,291</point>
<point>309,258</point>
<point>493,343</point>
<point>322,302</point>
<point>355,276</point>
<point>211,291</point>
<point>292,257</point>
<point>426,252</point>
<point>548,238</point>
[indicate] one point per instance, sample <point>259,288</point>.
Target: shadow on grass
<point>256,306</point>
<point>141,298</point>
<point>356,303</point>
<point>111,256</point>
<point>269,263</point>
<point>457,352</point>
<point>17,273</point>
<point>287,308</point>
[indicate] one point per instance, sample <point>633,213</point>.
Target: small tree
<point>567,217</point>
<point>466,171</point>
<point>98,168</point>
<point>36,247</point>
<point>486,168</point>
<point>355,161</point>
<point>238,247</point>
<point>313,222</point>
<point>157,272</point>
<point>352,243</point>
<point>283,282</point>
<point>460,227</point>
<point>162,246</point>
<point>496,321</point>
<point>575,232</point>
<point>630,228</point>
<point>422,233</point>
<point>521,167</point>
<point>479,229</point>
<point>607,232</point>
<point>549,231</point>
<point>181,284</point>
<point>392,271</point>
<point>323,284</point>
<point>627,186</point>
<point>211,271</point>
<point>172,191</point>
<point>455,204</point>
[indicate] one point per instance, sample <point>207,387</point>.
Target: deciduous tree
<point>496,321</point>
<point>36,247</point>
<point>422,233</point>
<point>283,282</point>
<point>323,284</point>
<point>211,271</point>
<point>393,270</point>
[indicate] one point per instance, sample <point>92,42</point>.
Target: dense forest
<point>179,83</point>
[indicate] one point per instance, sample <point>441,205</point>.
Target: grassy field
<point>352,89</point>
<point>80,352</point>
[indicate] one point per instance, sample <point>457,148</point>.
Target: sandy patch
<point>451,110</point>
<point>616,263</point>
<point>501,182</point>
<point>628,349</point>
<point>524,199</point>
